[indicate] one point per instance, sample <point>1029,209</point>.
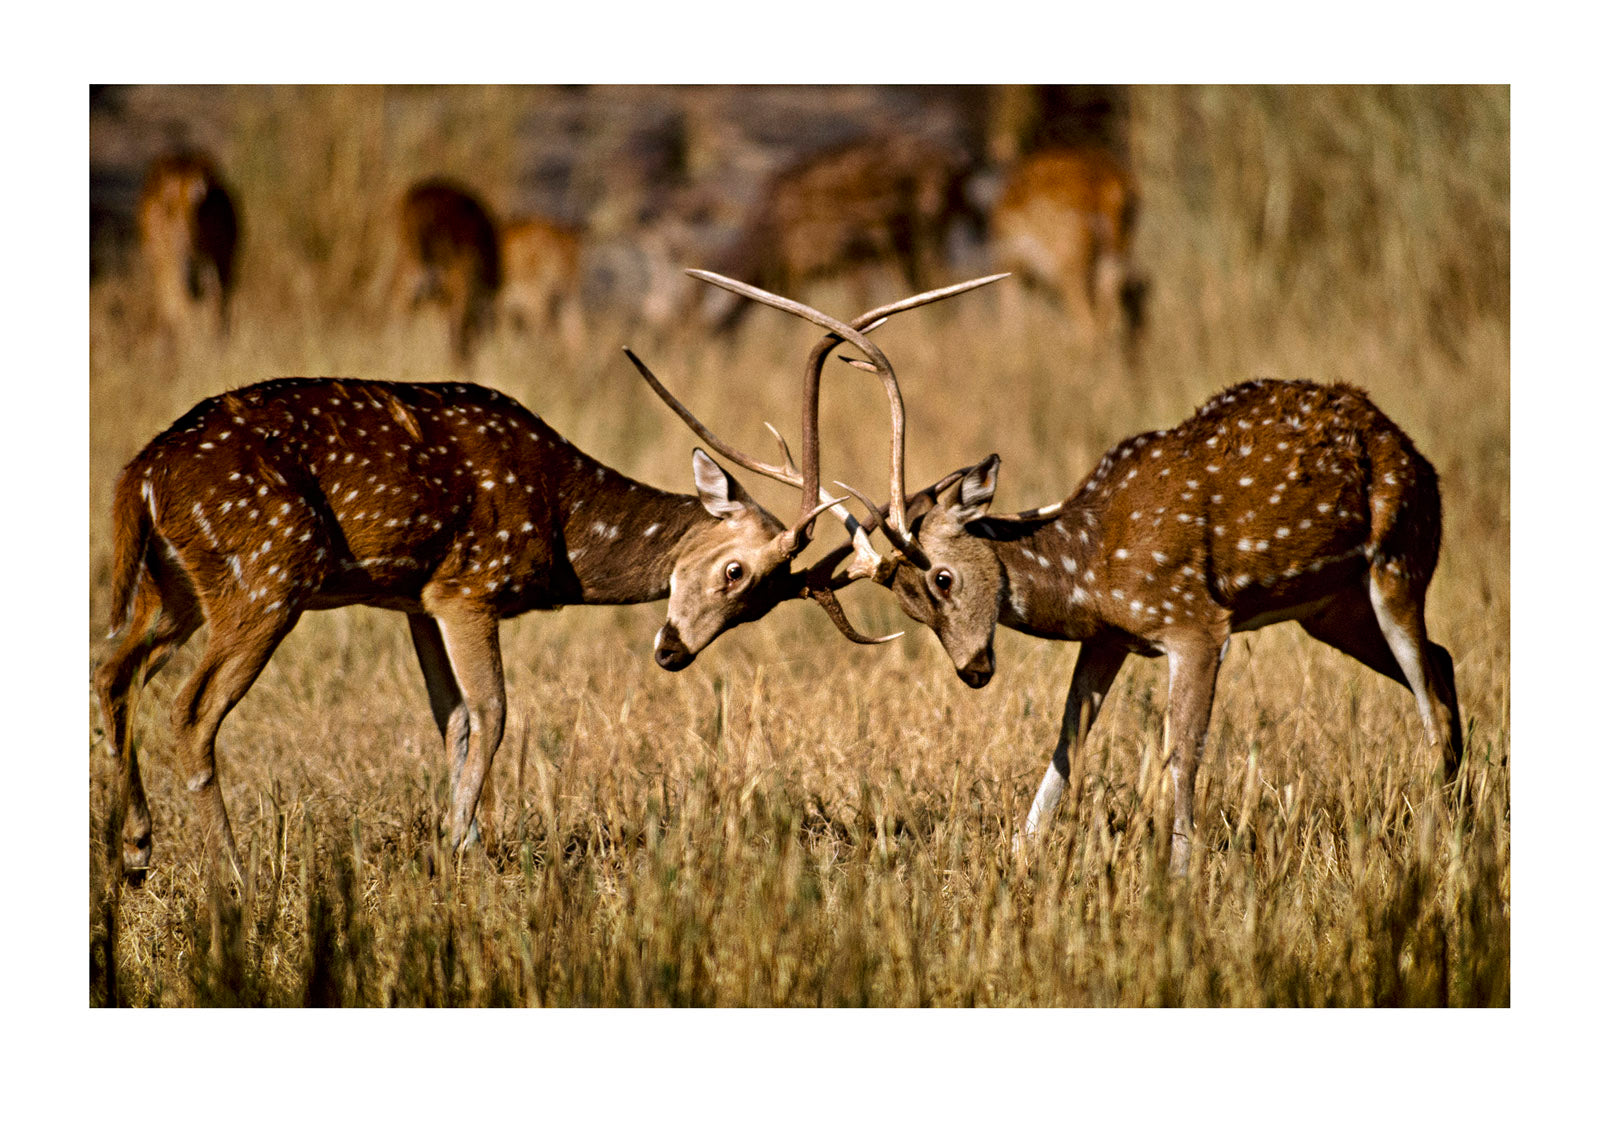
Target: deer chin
<point>671,652</point>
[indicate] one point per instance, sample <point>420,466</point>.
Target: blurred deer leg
<point>1077,298</point>
<point>471,638</point>
<point>160,624</point>
<point>1110,284</point>
<point>1192,680</point>
<point>1098,664</point>
<point>449,712</point>
<point>234,657</point>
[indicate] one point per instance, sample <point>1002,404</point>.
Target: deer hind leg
<point>470,635</point>
<point>1097,667</point>
<point>1383,628</point>
<point>235,654</point>
<point>1398,602</point>
<point>449,713</point>
<point>159,625</point>
<point>1192,680</point>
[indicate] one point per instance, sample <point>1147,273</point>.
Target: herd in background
<point>1058,215</point>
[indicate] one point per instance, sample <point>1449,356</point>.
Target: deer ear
<point>720,492</point>
<point>975,491</point>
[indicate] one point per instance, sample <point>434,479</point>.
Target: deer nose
<point>978,670</point>
<point>670,652</point>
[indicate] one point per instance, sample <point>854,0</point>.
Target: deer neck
<point>621,536</point>
<point>1048,559</point>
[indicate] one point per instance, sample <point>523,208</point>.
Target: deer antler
<point>868,563</point>
<point>855,334</point>
<point>812,503</point>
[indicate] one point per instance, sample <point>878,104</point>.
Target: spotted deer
<point>188,237</point>
<point>1064,223</point>
<point>892,200</point>
<point>1275,501</point>
<point>449,256</point>
<point>539,265</point>
<point>451,503</point>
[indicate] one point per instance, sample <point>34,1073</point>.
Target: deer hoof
<point>135,863</point>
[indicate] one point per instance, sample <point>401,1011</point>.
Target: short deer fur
<point>1275,501</point>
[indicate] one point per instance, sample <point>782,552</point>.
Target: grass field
<point>797,821</point>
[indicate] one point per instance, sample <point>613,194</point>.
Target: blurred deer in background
<point>888,200</point>
<point>539,266</point>
<point>1064,223</point>
<point>449,256</point>
<point>188,238</point>
<point>451,503</point>
<point>1275,501</point>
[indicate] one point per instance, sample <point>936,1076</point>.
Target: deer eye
<point>733,570</point>
<point>943,579</point>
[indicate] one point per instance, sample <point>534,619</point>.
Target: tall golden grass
<point>793,820</point>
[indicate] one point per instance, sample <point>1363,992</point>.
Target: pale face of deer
<point>729,572</point>
<point>958,595</point>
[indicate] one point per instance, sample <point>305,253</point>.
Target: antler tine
<point>830,604</point>
<point>872,319</point>
<point>902,542</point>
<point>749,463</point>
<point>783,446</point>
<point>821,586</point>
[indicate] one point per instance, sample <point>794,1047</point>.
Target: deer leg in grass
<point>470,635</point>
<point>159,624</point>
<point>235,654</point>
<point>1352,624</point>
<point>1098,663</point>
<point>1192,685</point>
<point>449,710</point>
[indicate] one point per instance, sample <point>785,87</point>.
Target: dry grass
<point>796,821</point>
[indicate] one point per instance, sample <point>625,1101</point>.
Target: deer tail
<point>131,522</point>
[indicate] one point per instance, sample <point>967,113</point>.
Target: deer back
<point>331,492</point>
<point>1267,500</point>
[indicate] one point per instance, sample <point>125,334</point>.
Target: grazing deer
<point>883,199</point>
<point>188,236</point>
<point>449,255</point>
<point>539,262</point>
<point>1277,500</point>
<point>1064,222</point>
<point>451,503</point>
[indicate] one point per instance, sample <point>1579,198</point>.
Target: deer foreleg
<point>449,709</point>
<point>470,636</point>
<point>1092,676</point>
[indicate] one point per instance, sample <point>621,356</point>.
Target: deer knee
<point>488,721</point>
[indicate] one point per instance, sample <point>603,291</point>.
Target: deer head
<point>742,567</point>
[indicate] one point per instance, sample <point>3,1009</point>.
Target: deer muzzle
<point>979,670</point>
<point>671,653</point>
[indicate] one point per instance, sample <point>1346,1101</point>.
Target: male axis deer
<point>451,503</point>
<point>1064,223</point>
<point>1275,501</point>
<point>188,235</point>
<point>449,255</point>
